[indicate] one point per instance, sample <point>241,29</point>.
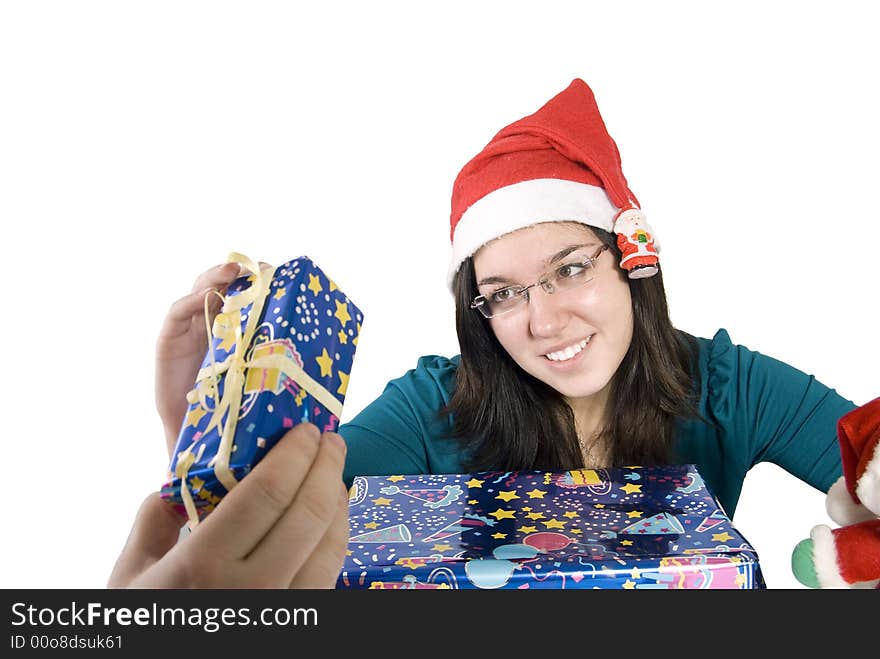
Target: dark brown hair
<point>508,420</point>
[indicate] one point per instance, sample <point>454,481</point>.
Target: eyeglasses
<point>564,277</point>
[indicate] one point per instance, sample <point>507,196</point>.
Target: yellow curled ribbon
<point>234,367</point>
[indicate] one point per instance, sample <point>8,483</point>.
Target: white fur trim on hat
<point>868,485</point>
<point>524,204</point>
<point>825,558</point>
<point>842,508</point>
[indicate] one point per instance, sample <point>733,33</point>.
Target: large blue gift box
<point>631,527</point>
<point>281,353</point>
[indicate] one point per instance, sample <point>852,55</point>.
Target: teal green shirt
<point>757,409</point>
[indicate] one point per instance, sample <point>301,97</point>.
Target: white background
<point>140,143</point>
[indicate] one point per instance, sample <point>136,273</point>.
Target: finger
<point>322,568</point>
<point>294,538</point>
<point>183,313</point>
<point>217,277</point>
<point>155,531</point>
<point>254,506</point>
<point>244,270</point>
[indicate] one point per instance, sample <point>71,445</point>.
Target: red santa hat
<point>856,495</point>
<point>558,164</point>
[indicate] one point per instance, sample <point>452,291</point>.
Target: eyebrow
<point>558,256</point>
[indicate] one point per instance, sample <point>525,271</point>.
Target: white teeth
<point>569,352</point>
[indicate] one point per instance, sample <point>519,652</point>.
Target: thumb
<point>155,531</point>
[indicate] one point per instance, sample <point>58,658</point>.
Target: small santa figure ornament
<point>636,242</point>
<point>848,556</point>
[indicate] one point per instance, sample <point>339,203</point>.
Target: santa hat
<point>856,494</point>
<point>558,164</point>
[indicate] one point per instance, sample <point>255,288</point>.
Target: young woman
<point>568,357</point>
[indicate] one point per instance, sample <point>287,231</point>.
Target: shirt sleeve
<point>402,432</point>
<point>778,413</point>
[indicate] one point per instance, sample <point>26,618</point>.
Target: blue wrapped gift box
<point>631,527</point>
<point>281,353</point>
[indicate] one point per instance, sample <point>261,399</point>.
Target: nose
<point>547,313</point>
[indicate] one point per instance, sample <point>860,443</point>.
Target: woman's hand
<point>182,343</point>
<point>285,525</point>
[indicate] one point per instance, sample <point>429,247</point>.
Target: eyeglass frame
<point>481,301</point>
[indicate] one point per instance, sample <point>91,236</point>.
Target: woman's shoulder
<point>430,372</point>
<point>721,353</point>
<point>731,370</point>
<point>721,361</point>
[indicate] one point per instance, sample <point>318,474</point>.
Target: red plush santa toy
<point>848,556</point>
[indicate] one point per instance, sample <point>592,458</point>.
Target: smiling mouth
<point>567,353</point>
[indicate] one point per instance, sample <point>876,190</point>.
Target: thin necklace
<point>587,449</point>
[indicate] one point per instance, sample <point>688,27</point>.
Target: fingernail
<point>336,439</point>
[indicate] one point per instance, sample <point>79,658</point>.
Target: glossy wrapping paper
<point>283,348</point>
<point>631,528</point>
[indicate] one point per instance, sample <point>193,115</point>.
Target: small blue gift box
<point>281,353</point>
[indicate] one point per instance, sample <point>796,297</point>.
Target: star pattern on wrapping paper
<point>555,524</point>
<point>343,383</point>
<point>356,335</point>
<point>474,482</point>
<point>441,547</point>
<point>325,361</point>
<point>224,329</point>
<point>636,573</point>
<point>371,525</point>
<point>626,543</point>
<point>499,536</point>
<point>535,515</point>
<point>635,513</point>
<point>280,292</point>
<point>599,505</point>
<point>473,502</point>
<point>629,585</point>
<point>528,529</point>
<point>314,285</point>
<point>721,537</point>
<point>629,488</point>
<point>382,501</point>
<point>194,416</point>
<point>502,514</point>
<point>536,494</point>
<point>507,495</point>
<point>395,479</point>
<point>570,514</point>
<point>343,337</point>
<point>342,312</point>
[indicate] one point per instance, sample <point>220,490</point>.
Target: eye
<point>503,295</point>
<point>572,270</point>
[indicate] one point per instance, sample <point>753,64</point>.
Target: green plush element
<point>802,564</point>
